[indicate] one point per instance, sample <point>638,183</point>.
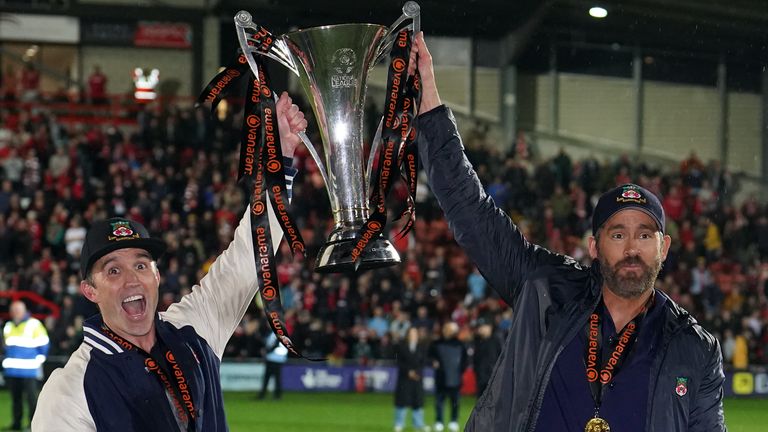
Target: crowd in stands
<point>176,173</point>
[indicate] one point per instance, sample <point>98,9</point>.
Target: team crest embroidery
<point>682,386</point>
<point>631,194</point>
<point>122,230</point>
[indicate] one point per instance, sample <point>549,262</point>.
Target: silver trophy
<point>333,63</point>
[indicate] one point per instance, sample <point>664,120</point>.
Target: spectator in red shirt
<point>30,83</point>
<point>674,203</point>
<point>97,87</point>
<point>9,84</point>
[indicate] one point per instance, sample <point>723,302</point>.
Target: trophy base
<point>336,256</point>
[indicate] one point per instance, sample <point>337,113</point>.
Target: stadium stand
<point>174,169</point>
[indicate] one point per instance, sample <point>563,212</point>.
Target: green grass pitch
<point>349,412</point>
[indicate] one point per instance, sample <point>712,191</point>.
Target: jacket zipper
<point>545,376</point>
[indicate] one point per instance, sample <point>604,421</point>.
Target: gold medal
<point>597,425</point>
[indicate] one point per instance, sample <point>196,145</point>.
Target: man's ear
<point>592,246</point>
<point>666,243</point>
<point>157,271</point>
<point>88,290</point>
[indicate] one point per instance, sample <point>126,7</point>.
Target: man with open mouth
<point>140,370</point>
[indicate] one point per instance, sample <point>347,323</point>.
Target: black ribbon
<point>261,39</point>
<point>398,145</point>
<point>261,168</point>
<point>222,83</point>
<point>410,159</point>
<point>602,365</point>
<point>272,160</point>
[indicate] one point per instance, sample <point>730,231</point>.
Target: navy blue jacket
<point>451,357</point>
<point>552,296</point>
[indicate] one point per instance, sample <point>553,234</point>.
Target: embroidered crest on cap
<point>631,194</point>
<point>682,386</point>
<point>122,230</point>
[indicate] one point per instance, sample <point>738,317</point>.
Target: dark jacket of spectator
<point>409,391</point>
<point>486,351</point>
<point>451,357</point>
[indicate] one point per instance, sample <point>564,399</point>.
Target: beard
<point>631,285</point>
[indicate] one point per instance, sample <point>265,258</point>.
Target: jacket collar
<point>94,337</point>
<point>677,318</point>
<point>23,319</point>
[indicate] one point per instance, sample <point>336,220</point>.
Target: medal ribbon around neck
<point>602,365</point>
<point>178,388</point>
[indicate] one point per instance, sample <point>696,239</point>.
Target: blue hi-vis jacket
<point>106,388</point>
<point>26,345</point>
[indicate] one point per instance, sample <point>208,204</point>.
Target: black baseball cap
<point>112,234</point>
<point>625,197</point>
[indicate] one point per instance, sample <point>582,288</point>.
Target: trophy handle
<point>411,10</point>
<point>246,30</point>
<point>374,149</point>
<point>316,157</point>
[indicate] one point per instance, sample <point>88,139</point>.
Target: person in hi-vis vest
<point>26,346</point>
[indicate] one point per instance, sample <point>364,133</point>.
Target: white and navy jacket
<point>106,388</point>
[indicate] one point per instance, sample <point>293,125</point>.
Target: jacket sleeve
<point>485,232</point>
<point>707,410</point>
<point>216,305</point>
<point>62,405</point>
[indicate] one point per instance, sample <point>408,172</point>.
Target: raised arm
<point>486,233</point>
<point>216,306</point>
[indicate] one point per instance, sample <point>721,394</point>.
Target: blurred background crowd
<point>176,173</point>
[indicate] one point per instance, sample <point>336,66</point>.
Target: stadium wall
<point>303,376</point>
<point>678,118</point>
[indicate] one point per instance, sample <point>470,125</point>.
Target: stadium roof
<point>735,28</point>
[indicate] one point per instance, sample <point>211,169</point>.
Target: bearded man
<point>590,348</point>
